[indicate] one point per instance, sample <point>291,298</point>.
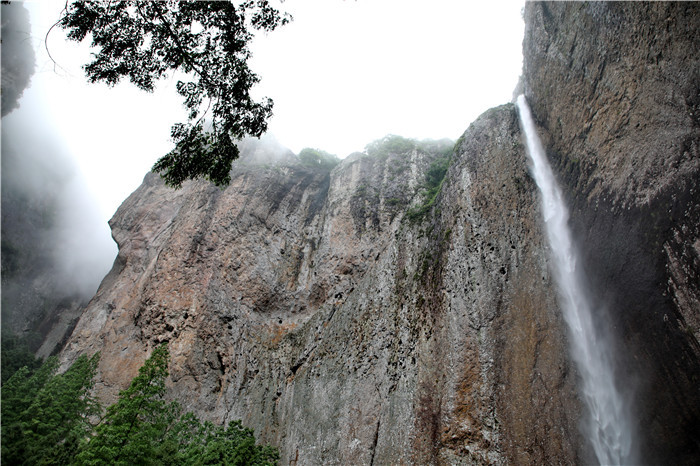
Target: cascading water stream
<point>608,425</point>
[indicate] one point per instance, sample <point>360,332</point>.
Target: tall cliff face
<point>347,328</point>
<point>616,89</point>
<point>309,305</point>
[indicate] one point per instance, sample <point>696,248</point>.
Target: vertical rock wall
<point>310,305</point>
<point>616,90</point>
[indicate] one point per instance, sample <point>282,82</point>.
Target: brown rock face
<point>616,88</point>
<point>309,305</point>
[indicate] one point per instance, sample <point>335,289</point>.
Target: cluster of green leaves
<point>431,186</point>
<point>207,41</point>
<point>45,420</point>
<point>209,444</point>
<point>316,158</point>
<point>136,426</point>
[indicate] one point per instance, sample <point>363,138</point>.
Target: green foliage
<point>136,426</point>
<point>430,187</point>
<point>316,158</point>
<point>45,416</point>
<point>142,428</point>
<point>204,443</point>
<point>45,420</point>
<point>21,389</point>
<point>145,41</point>
<point>390,144</point>
<point>15,355</point>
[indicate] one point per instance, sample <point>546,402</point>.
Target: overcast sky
<point>342,74</point>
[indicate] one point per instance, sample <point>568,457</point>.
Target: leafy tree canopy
<point>146,40</point>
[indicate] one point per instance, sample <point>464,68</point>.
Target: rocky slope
<point>350,320</point>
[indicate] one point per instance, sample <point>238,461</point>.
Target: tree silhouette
<point>209,42</point>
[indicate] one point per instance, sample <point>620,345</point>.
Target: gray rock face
<point>309,305</point>
<point>616,88</point>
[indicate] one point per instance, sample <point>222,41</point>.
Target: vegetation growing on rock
<point>316,158</point>
<point>431,187</point>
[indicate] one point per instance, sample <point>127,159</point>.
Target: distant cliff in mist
<point>378,313</point>
<point>54,248</point>
<point>18,60</point>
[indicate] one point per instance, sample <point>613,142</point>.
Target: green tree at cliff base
<point>46,419</point>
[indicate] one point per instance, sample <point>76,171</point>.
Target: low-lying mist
<point>56,247</point>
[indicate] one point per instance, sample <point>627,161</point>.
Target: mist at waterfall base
<point>608,426</point>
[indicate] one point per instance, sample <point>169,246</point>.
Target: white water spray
<point>608,425</point>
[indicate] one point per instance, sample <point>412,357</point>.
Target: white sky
<point>342,74</point>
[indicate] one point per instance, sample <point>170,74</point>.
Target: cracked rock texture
<point>307,304</point>
<point>319,309</point>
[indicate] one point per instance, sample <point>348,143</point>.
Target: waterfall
<point>607,426</point>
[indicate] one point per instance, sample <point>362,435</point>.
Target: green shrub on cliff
<point>390,144</point>
<point>431,186</point>
<point>316,158</point>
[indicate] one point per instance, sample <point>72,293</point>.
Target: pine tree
<point>45,416</point>
<point>205,443</point>
<point>141,428</point>
<point>46,420</point>
<point>18,393</point>
<point>135,428</point>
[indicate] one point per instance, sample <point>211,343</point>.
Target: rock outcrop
<point>351,319</point>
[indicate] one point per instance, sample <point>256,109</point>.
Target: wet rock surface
<point>308,304</point>
<point>616,89</point>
